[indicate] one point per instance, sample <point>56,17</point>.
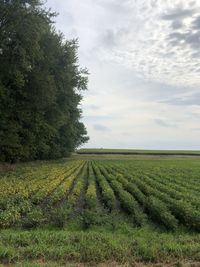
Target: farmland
<point>102,210</point>
<point>103,151</point>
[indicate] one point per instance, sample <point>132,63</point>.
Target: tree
<point>40,85</point>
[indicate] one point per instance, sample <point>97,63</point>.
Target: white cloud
<point>144,60</point>
<point>150,46</point>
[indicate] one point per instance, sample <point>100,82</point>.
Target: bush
<point>33,219</point>
<point>9,217</point>
<point>59,216</point>
<point>94,217</point>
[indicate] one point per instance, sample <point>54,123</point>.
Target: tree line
<point>40,85</point>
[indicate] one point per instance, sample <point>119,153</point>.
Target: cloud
<point>196,129</point>
<point>164,123</point>
<point>157,45</point>
<point>92,107</point>
<point>102,128</point>
<point>156,40</point>
<point>188,100</point>
<point>196,23</point>
<point>190,38</point>
<point>144,62</point>
<point>109,38</point>
<point>178,14</point>
<point>177,24</point>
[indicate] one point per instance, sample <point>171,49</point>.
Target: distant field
<point>80,212</point>
<point>137,152</point>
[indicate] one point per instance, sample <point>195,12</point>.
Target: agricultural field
<point>103,151</point>
<point>80,212</point>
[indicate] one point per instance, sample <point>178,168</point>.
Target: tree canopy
<point>40,85</point>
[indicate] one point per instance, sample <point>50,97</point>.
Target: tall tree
<point>40,85</point>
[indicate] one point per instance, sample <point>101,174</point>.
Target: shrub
<point>94,217</point>
<point>33,219</point>
<point>59,216</point>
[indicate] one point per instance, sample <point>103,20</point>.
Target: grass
<point>125,245</point>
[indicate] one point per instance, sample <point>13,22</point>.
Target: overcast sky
<point>144,62</point>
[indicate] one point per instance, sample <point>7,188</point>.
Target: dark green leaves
<point>40,85</point>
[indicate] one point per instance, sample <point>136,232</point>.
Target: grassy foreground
<point>125,246</point>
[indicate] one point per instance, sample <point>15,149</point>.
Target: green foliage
<point>58,217</point>
<point>100,217</point>
<point>106,191</point>
<point>91,201</point>
<point>91,233</point>
<point>92,217</point>
<point>127,200</point>
<point>40,85</point>
<point>56,193</point>
<point>177,197</point>
<point>158,211</point>
<point>186,214</point>
<point>9,216</point>
<point>99,247</point>
<point>33,219</point>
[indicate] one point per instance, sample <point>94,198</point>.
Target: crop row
<point>143,191</point>
<point>169,184</point>
<point>91,201</point>
<point>182,210</point>
<point>127,201</point>
<point>107,193</point>
<point>155,208</point>
<point>20,202</point>
<point>59,192</point>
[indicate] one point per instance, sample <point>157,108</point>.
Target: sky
<point>143,57</point>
